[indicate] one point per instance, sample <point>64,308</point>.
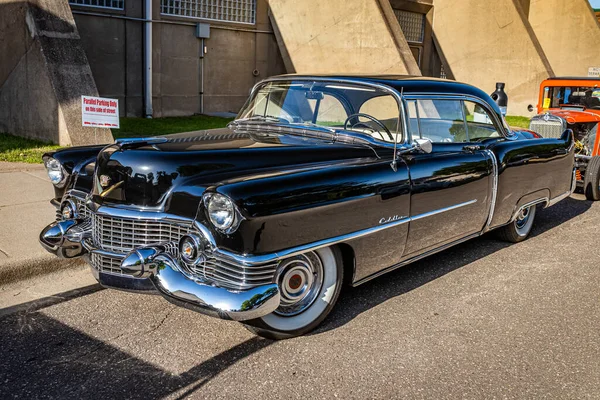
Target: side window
<point>385,109</point>
<point>479,123</point>
<point>441,121</point>
<point>413,119</point>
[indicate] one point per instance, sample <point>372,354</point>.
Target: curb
<point>21,269</point>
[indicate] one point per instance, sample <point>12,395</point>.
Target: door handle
<point>471,148</point>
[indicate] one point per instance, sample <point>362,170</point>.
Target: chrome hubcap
<point>300,280</point>
<point>522,218</point>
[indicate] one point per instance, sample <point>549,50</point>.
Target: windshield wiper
<point>325,128</point>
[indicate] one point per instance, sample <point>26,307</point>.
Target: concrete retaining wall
<point>234,51</point>
<point>569,34</point>
<point>494,43</point>
<point>43,73</point>
<point>334,36</point>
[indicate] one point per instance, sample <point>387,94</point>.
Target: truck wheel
<point>519,229</point>
<point>309,285</point>
<point>591,182</point>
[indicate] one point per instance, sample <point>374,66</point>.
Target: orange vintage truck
<point>573,103</point>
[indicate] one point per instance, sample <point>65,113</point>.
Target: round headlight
<point>55,171</point>
<point>221,211</point>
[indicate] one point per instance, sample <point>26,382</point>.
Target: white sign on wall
<point>594,72</point>
<point>98,112</point>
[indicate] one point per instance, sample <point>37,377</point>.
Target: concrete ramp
<point>43,73</point>
<point>493,43</point>
<point>569,34</point>
<point>337,36</point>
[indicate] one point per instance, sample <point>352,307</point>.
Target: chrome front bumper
<point>163,274</point>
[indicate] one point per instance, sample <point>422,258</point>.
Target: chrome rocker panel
<point>162,274</point>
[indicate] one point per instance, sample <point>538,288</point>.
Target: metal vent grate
<point>412,24</point>
<point>241,11</point>
<point>114,4</point>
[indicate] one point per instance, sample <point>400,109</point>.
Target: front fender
<point>74,160</point>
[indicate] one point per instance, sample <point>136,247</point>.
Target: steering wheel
<point>372,119</point>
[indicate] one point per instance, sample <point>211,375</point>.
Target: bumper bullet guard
<point>154,269</point>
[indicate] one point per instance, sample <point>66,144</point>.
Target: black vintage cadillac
<point>320,181</point>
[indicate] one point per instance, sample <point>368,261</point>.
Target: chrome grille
<point>233,275</point>
<point>106,264</point>
<point>122,235</point>
<point>82,210</point>
<point>548,126</point>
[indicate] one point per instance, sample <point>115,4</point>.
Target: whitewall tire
<point>309,286</point>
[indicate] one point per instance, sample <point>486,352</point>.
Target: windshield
<point>330,105</point>
<point>576,96</point>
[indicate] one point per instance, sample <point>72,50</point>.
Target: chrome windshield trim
<point>401,122</point>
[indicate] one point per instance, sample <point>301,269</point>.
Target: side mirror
<point>424,145</point>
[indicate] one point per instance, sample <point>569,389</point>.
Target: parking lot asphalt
<point>484,319</point>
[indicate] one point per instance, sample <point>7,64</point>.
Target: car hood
<point>575,116</point>
<point>178,168</point>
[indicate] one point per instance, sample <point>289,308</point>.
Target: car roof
<point>407,84</point>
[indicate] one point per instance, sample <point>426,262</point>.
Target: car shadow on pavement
<point>44,358</point>
<point>356,300</point>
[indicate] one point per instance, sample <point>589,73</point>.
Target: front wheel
<point>519,229</point>
<point>309,285</point>
<point>591,183</point>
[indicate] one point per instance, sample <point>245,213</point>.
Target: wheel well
<point>349,260</point>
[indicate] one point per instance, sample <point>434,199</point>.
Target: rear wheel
<point>309,285</point>
<point>591,183</point>
<point>519,229</point>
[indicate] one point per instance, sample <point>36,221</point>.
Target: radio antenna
<point>394,163</point>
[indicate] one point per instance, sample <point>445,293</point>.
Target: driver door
<point>451,186</point>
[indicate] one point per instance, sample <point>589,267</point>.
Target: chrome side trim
<point>416,258</point>
<point>541,200</point>
<point>494,188</point>
<point>441,210</point>
<point>249,259</point>
<point>558,198</point>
